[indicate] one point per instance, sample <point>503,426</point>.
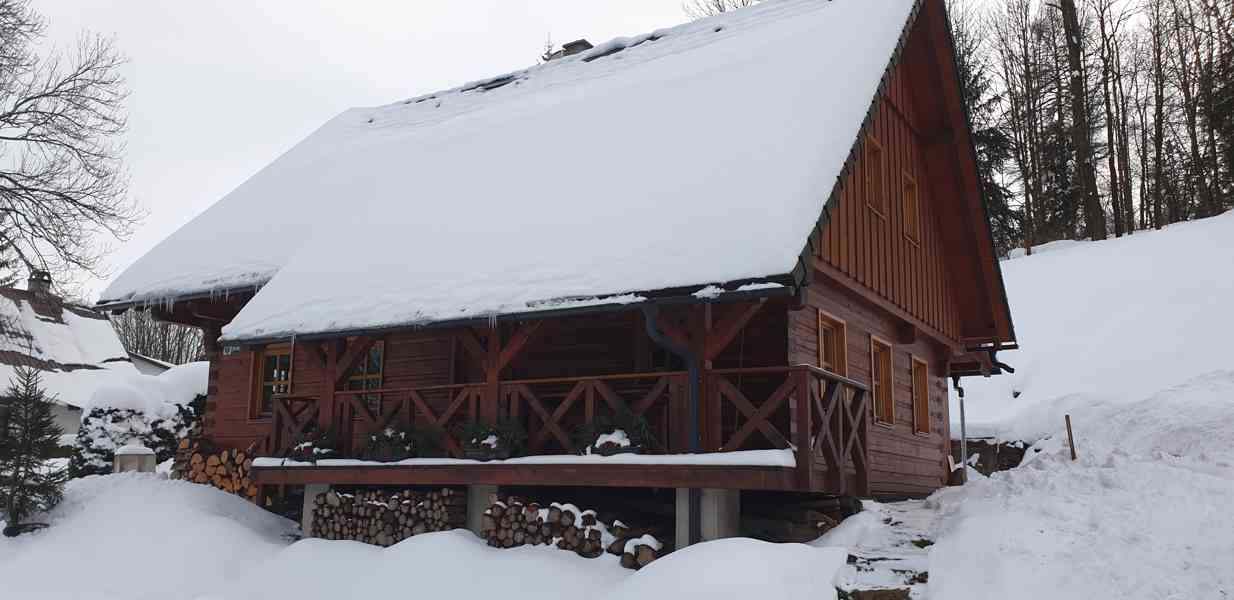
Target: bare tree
<point>168,342</point>
<point>698,9</point>
<point>61,118</point>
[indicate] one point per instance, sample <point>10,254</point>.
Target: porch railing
<point>818,415</point>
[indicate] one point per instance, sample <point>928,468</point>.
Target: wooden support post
<point>325,412</point>
<point>801,422</point>
<point>492,376</point>
<point>1070,438</point>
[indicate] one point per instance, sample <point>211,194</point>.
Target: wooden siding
<point>872,249</point>
<point>901,462</point>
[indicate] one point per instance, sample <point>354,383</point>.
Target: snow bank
<point>133,536</point>
<point>1106,323</point>
<point>737,568</point>
<point>1144,512</point>
<point>153,395</point>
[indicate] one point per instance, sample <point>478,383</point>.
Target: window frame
<point>883,383</point>
<point>921,395</point>
<point>840,335</point>
<point>840,327</point>
<point>379,376</point>
<point>912,231</point>
<point>259,382</point>
<point>875,165</point>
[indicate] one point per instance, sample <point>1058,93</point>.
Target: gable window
<point>875,176</point>
<point>881,381</point>
<point>912,209</point>
<point>273,378</point>
<point>366,375</point>
<point>921,396</point>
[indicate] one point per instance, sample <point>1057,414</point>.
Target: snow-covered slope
<point>1130,337</point>
<point>1103,324</point>
<point>692,155</point>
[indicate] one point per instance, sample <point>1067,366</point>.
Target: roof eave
<point>677,296</point>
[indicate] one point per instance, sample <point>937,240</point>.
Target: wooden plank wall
<point>416,358</point>
<point>902,462</point>
<point>872,249</point>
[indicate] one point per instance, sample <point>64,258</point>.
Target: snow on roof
<point>154,395</point>
<point>76,348</point>
<point>695,155</point>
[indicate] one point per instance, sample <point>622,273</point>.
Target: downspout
<point>955,381</point>
<point>650,314</point>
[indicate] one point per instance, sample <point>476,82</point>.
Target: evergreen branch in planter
<point>621,432</point>
<point>483,441</point>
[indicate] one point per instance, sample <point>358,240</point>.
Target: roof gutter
<point>117,306</point>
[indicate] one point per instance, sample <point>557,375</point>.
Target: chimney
<point>569,49</point>
<point>39,283</point>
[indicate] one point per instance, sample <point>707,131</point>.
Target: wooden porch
<point>817,416</point>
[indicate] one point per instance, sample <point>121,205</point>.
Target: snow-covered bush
<point>103,430</point>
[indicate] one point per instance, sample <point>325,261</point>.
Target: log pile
<point>227,470</point>
<point>514,523</point>
<point>387,518</point>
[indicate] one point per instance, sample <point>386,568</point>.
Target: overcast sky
<point>219,89</point>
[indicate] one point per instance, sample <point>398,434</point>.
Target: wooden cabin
<point>761,232</point>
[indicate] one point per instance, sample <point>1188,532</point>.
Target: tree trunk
<point>1094,215</point>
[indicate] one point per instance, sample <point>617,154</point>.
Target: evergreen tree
<point>27,484</point>
<point>990,138</point>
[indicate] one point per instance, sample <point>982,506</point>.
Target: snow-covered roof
<point>76,348</point>
<point>690,156</point>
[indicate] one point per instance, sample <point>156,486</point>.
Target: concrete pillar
<point>719,514</point>
<point>311,491</point>
<point>478,498</point>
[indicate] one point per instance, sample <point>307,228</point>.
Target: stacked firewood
<point>515,523</point>
<point>227,470</point>
<point>387,518</point>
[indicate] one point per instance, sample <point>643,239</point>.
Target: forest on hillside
<point>1098,118</point>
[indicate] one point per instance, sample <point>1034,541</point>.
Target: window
<point>273,378</point>
<point>875,175</point>
<point>832,352</point>
<point>367,376</point>
<point>881,381</point>
<point>912,210</point>
<point>921,396</point>
<point>831,355</point>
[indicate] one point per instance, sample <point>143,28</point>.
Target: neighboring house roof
<point>147,365</point>
<point>76,347</point>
